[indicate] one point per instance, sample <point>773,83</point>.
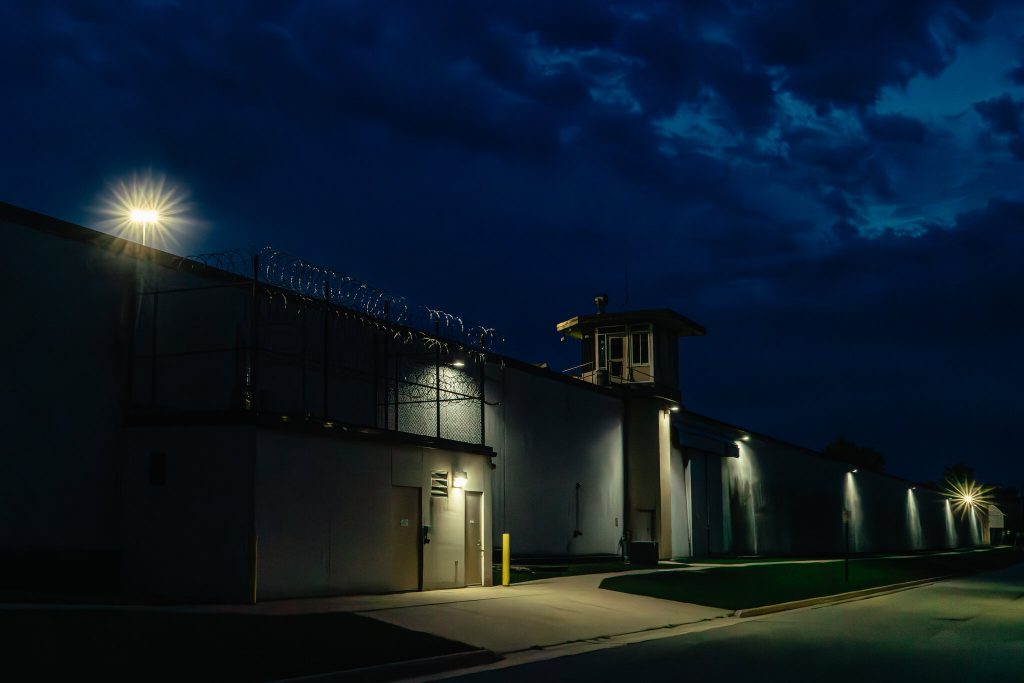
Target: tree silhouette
<point>958,472</point>
<point>844,450</point>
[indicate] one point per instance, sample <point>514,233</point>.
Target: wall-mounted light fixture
<point>853,471</point>
<point>745,437</point>
<point>459,480</point>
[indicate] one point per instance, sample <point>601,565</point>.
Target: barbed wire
<point>291,273</point>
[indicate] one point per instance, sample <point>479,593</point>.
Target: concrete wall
<point>71,313</point>
<point>549,436</point>
<point>777,499</point>
<point>681,495</point>
<point>323,513</point>
<point>188,538</point>
<point>704,475</point>
<point>284,514</point>
<point>649,477</point>
<point>64,344</point>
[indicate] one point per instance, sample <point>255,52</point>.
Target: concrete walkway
<point>527,616</point>
<point>535,614</point>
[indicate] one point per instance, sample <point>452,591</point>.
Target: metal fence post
<point>254,347</point>
<point>437,374</point>
<point>327,339</point>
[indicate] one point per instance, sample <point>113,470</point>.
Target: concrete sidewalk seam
<point>836,597</point>
<point>610,636</point>
<point>432,604</point>
<point>404,669</point>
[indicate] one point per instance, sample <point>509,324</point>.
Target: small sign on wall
<point>403,522</point>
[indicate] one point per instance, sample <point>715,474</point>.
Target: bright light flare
<point>144,216</point>
<point>967,496</point>
<point>145,208</point>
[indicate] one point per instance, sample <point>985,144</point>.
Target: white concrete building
<point>253,426</point>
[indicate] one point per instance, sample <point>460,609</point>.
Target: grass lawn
<point>147,645</point>
<point>743,587</point>
<point>741,560</point>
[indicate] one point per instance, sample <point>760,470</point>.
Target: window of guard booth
<point>640,346</point>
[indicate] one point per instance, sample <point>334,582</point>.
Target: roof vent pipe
<point>601,300</point>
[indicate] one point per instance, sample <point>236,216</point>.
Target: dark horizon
<point>831,192</point>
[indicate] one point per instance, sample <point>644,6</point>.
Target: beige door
<point>405,538</point>
<point>474,540</point>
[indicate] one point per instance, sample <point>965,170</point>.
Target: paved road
<point>962,630</point>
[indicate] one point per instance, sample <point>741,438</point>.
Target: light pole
<point>143,218</point>
<point>846,531</point>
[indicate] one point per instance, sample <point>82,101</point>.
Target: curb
<point>836,597</point>
<point>404,669</point>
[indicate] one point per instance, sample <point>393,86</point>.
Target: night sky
<point>834,189</point>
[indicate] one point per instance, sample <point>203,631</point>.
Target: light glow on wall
<point>854,513</point>
<point>914,529</point>
<point>951,535</point>
<point>459,480</point>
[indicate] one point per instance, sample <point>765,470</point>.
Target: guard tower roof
<point>663,319</point>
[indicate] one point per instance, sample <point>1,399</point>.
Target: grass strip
<point>755,586</point>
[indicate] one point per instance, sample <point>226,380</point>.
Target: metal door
<point>405,538</point>
<point>616,355</point>
<point>474,539</point>
<point>643,530</point>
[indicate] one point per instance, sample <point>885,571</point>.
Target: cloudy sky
<point>834,189</point>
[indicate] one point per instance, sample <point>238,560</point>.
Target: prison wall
<point>780,499</point>
<point>327,523</point>
<point>558,478</point>
<point>73,315</point>
<point>187,521</point>
<point>68,303</point>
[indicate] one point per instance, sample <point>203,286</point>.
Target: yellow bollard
<point>506,560</point>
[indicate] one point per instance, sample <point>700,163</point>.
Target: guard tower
<point>636,353</point>
<point>635,348</point>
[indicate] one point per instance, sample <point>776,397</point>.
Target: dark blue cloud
<point>895,128</point>
<point>844,53</point>
<point>742,162</point>
<point>1004,116</point>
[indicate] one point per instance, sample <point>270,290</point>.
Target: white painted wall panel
<point>189,539</point>
<point>323,510</point>
<point>550,435</point>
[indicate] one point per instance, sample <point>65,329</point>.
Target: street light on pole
<point>145,208</point>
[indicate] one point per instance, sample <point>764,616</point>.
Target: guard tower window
<point>640,347</point>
